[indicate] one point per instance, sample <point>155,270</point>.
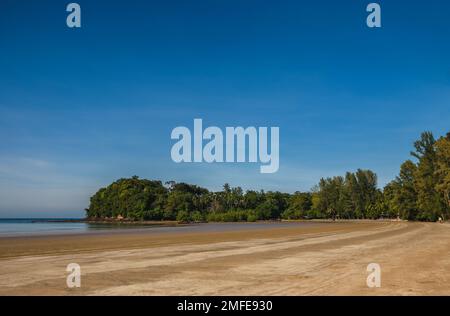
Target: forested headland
<point>421,191</point>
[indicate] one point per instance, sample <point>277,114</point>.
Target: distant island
<point>421,192</point>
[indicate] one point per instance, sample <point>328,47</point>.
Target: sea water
<point>53,226</point>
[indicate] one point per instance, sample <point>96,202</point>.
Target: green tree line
<point>421,191</point>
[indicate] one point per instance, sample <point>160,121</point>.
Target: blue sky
<point>80,108</point>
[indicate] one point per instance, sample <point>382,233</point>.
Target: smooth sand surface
<point>323,259</point>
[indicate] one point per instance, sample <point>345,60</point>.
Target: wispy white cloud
<point>33,186</point>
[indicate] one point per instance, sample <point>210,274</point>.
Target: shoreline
<point>152,227</point>
<point>202,229</point>
<point>175,222</point>
<point>123,228</point>
<point>54,244</point>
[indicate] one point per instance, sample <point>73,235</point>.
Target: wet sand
<point>294,259</point>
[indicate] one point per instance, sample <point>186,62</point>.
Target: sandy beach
<point>317,259</point>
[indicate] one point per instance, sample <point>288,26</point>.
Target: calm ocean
<point>57,226</point>
<point>53,226</point>
<point>37,226</point>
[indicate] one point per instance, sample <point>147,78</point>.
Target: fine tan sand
<point>326,259</point>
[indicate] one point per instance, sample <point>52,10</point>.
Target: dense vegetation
<point>421,191</point>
